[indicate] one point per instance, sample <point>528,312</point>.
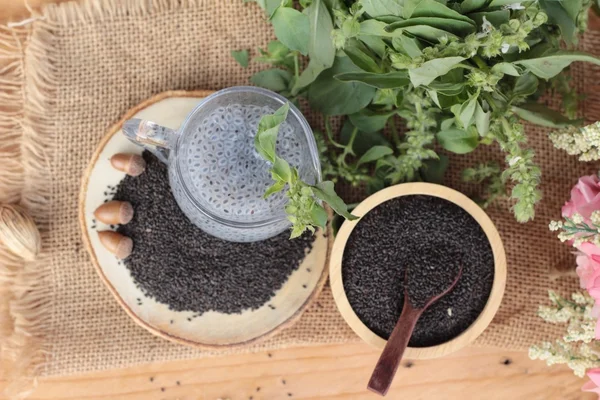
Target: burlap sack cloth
<point>75,71</point>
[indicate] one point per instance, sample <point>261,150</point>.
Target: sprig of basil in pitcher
<point>304,209</point>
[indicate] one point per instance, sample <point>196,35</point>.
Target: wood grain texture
<point>334,372</point>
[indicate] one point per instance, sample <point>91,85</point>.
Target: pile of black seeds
<point>431,272</point>
<point>393,235</point>
<point>178,264</point>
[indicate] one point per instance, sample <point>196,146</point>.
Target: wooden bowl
<point>212,330</point>
<point>492,305</point>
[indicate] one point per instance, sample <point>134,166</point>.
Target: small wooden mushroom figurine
<point>120,245</point>
<point>131,164</point>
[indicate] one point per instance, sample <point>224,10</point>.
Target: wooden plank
<point>334,372</point>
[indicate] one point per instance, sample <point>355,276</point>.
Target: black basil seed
<point>179,265</point>
<point>397,233</point>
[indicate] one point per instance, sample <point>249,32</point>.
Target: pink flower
<point>585,197</point>
<point>588,265</point>
<point>588,270</point>
<point>593,385</point>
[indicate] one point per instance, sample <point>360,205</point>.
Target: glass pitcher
<point>216,175</point>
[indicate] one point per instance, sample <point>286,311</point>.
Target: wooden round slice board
<point>211,330</point>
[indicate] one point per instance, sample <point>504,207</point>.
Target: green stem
<point>329,132</point>
<point>296,67</point>
<point>491,101</point>
<point>480,63</point>
<point>466,66</point>
<point>348,149</point>
<point>395,136</point>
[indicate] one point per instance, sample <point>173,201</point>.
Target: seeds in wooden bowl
<point>394,234</point>
<point>178,264</point>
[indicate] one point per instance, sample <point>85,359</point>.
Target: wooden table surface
<point>334,372</point>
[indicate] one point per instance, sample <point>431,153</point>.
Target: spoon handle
<point>390,358</point>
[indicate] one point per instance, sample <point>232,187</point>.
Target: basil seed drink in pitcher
<point>216,175</point>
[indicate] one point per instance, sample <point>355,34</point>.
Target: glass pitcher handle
<point>157,139</point>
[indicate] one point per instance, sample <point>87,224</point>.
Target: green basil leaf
<point>458,141</point>
<point>482,120</point>
<point>379,8</point>
<point>558,15</point>
<point>551,65</point>
<point>268,128</point>
<point>274,188</point>
<point>431,8</point>
<point>447,89</point>
<point>572,7</point>
<point>506,68</point>
<point>241,57</point>
<point>467,112</point>
<point>375,43</point>
<point>361,56</point>
<point>374,154</point>
<point>281,170</point>
<point>539,114</point>
<point>428,32</point>
<point>292,28</point>
<point>447,102</point>
<point>501,3</point>
<point>274,79</point>
<point>409,46</point>
<point>363,140</point>
<point>434,96</point>
<point>468,6</point>
<point>426,73</point>
<point>391,80</point>
<point>277,49</point>
<point>525,85</point>
<point>325,191</point>
<point>433,171</point>
<point>455,26</point>
<point>321,26</point>
<point>447,124</point>
<point>318,215</point>
<point>496,18</point>
<point>377,28</point>
<point>374,27</point>
<point>268,5</point>
<point>369,121</point>
<point>334,97</point>
<point>320,47</point>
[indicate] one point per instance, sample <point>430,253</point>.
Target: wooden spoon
<point>415,302</point>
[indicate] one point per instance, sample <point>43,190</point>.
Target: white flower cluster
<point>595,217</point>
<point>584,142</point>
<point>578,230</point>
<point>578,358</point>
<point>578,348</point>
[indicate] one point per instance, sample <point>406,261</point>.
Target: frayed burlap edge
<point>27,130</point>
<point>92,11</point>
<point>26,133</point>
